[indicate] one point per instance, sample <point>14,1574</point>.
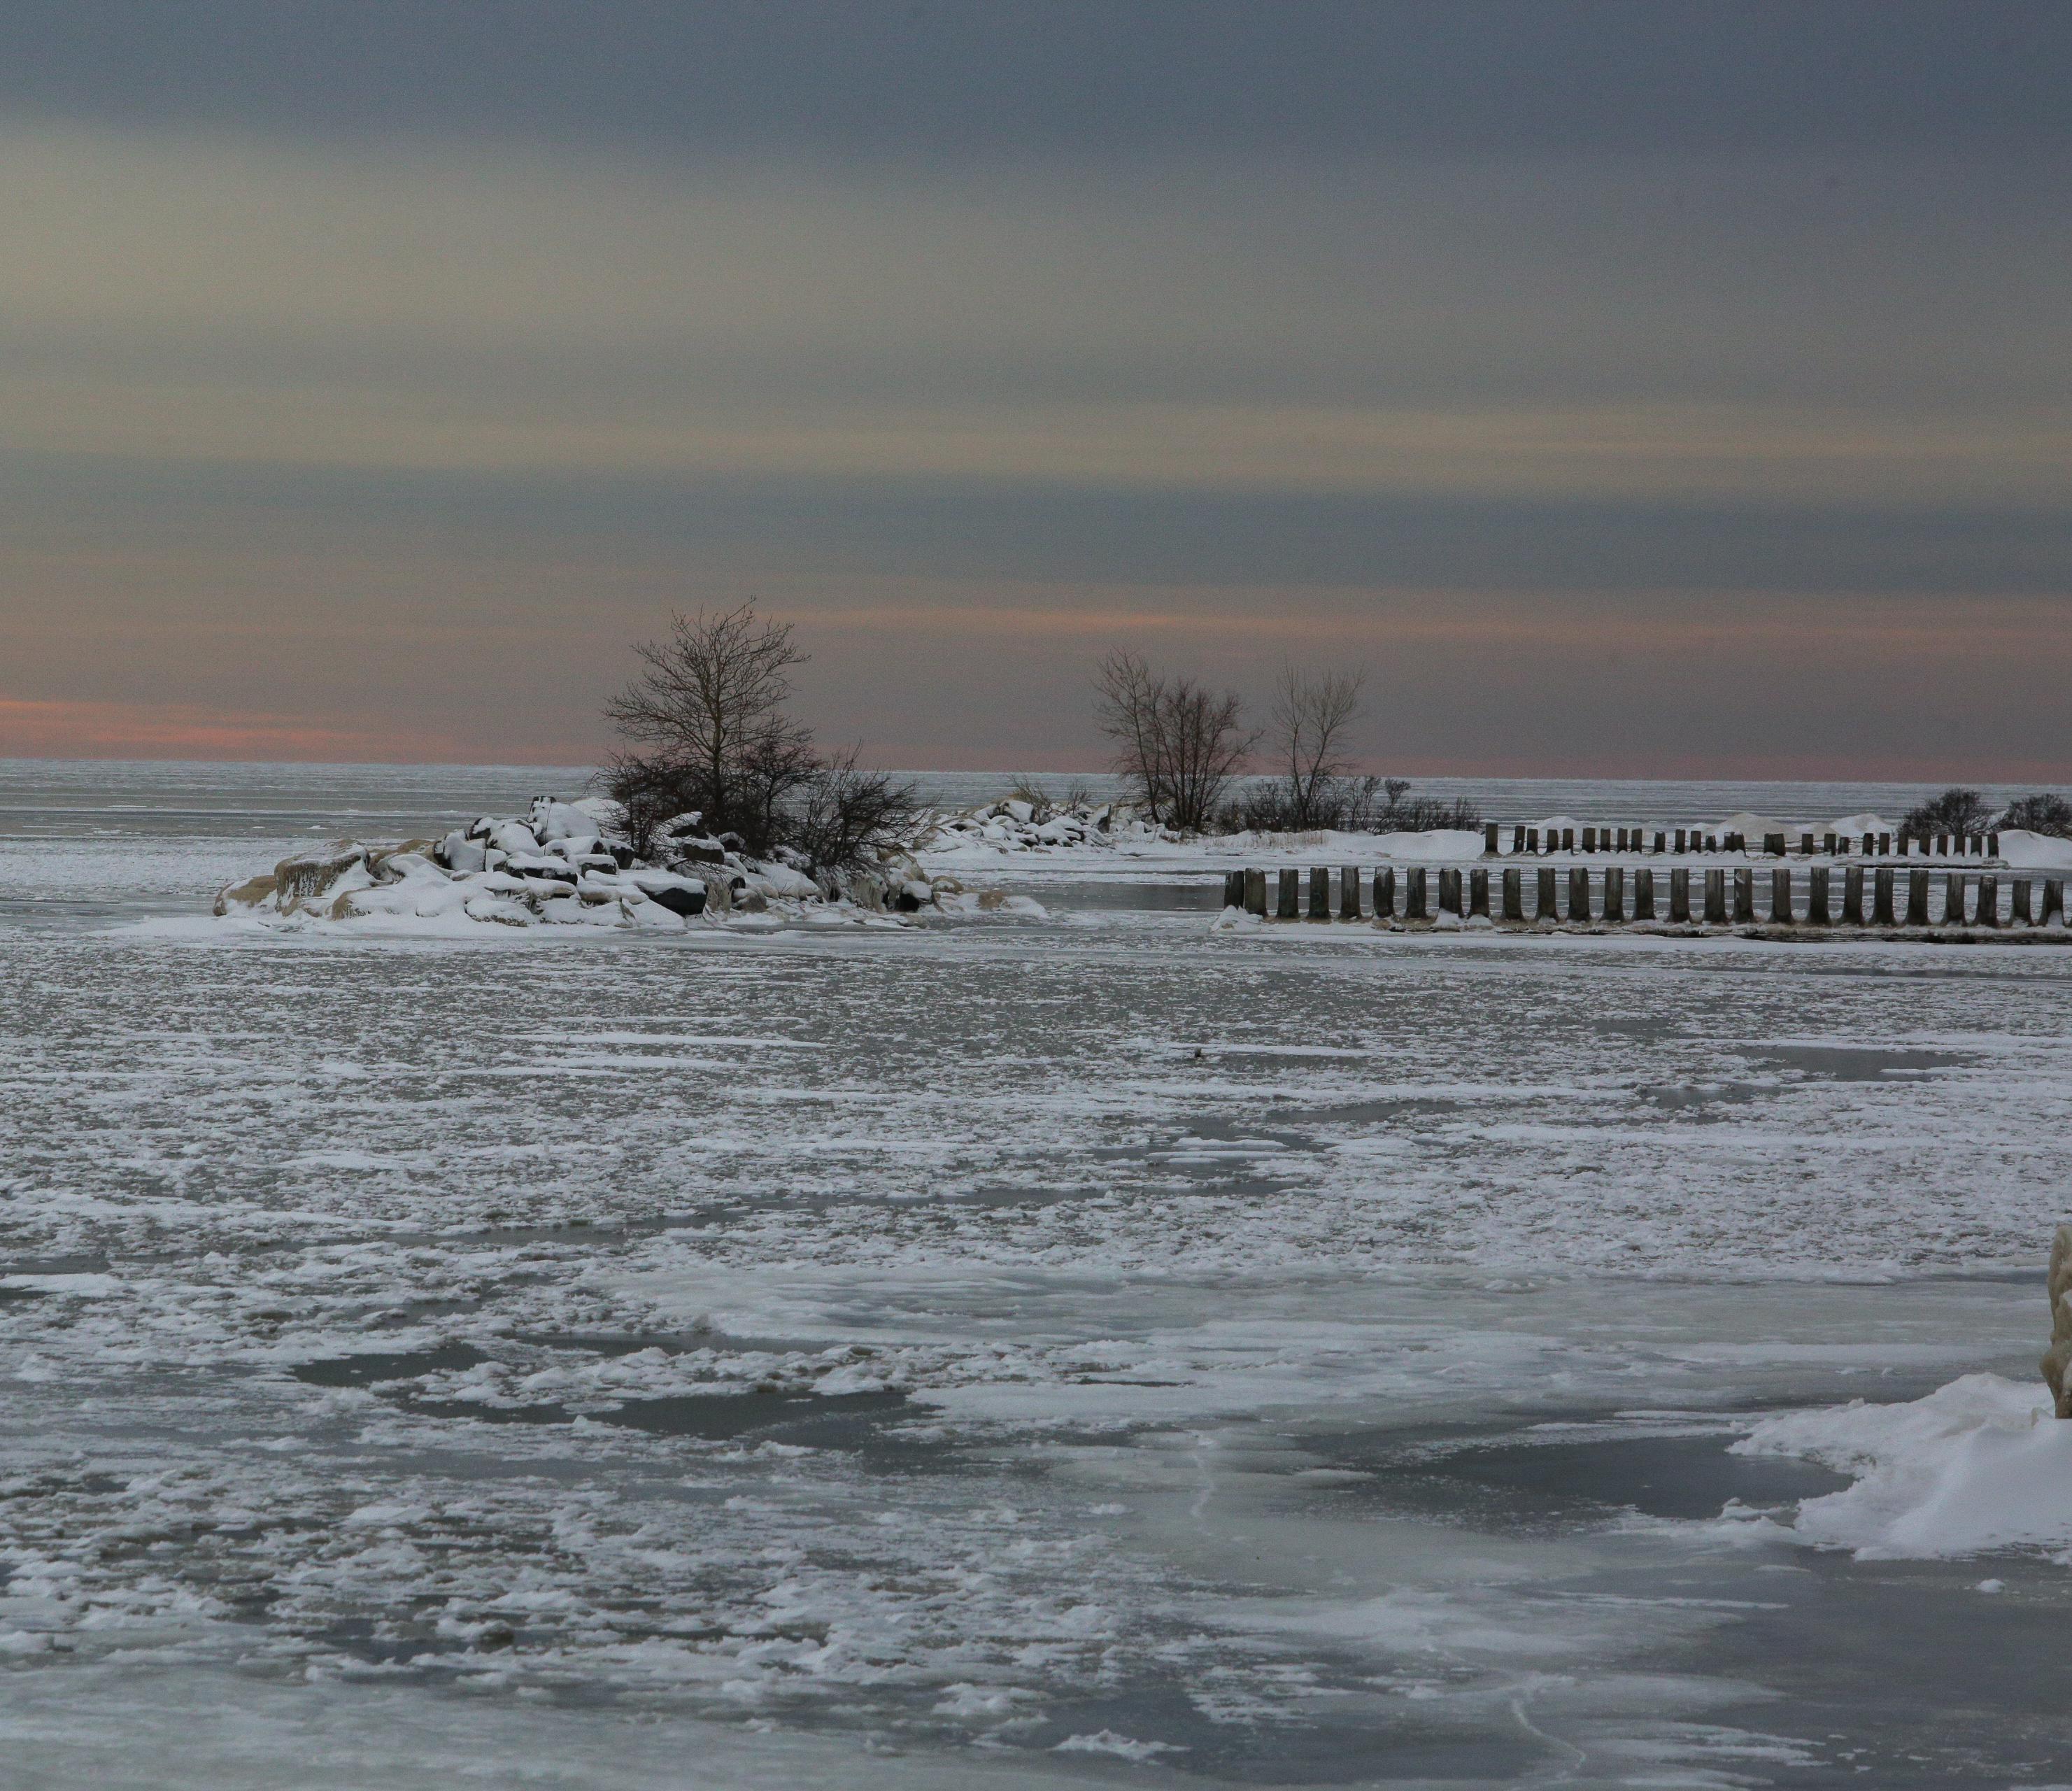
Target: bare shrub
<point>2040,813</point>
<point>842,816</point>
<point>1179,743</point>
<point>1954,811</point>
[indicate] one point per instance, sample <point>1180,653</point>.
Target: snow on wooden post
<point>2024,914</point>
<point>1489,838</point>
<point>1320,893</point>
<point>1744,896</point>
<point>1289,907</point>
<point>1450,892</point>
<point>1989,901</point>
<point>1543,911</point>
<point>1773,844</point>
<point>1614,893</point>
<point>1818,913</point>
<point>1883,913</point>
<point>1780,897</point>
<point>1715,898</point>
<point>1680,896</point>
<point>1953,898</point>
<point>1349,897</point>
<point>1414,907</point>
<point>1916,898</point>
<point>1255,893</point>
<point>1643,894</point>
<point>1478,893</point>
<point>1384,895</point>
<point>1514,896</point>
<point>1852,896</point>
<point>1661,840</point>
<point>2054,902</point>
<point>1579,893</point>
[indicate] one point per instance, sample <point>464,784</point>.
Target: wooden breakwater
<point>1530,842</point>
<point>1885,898</point>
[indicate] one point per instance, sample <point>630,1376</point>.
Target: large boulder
<point>312,874</point>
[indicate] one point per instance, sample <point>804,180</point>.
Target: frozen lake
<point>1092,1351</point>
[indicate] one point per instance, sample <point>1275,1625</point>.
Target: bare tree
<point>1954,811</point>
<point>1313,712</point>
<point>711,702</point>
<point>1180,743</point>
<point>842,816</point>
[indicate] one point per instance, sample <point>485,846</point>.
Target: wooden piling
<point>1953,898</point>
<point>1568,839</point>
<point>1989,901</point>
<point>1773,844</point>
<point>1916,898</point>
<point>1643,894</point>
<point>1489,839</point>
<point>1852,896</point>
<point>1415,894</point>
<point>2054,902</point>
<point>1883,912</point>
<point>1518,840</point>
<point>1780,898</point>
<point>1744,896</point>
<point>1233,889</point>
<point>1289,907</point>
<point>2024,914</point>
<point>1514,897</point>
<point>1533,839</point>
<point>1349,894</point>
<point>1589,839</point>
<point>1478,893</point>
<point>1255,893</point>
<point>1450,892</point>
<point>1818,913</point>
<point>1614,893</point>
<point>1543,911</point>
<point>1579,893</point>
<point>1384,895</point>
<point>1682,835</point>
<point>1715,898</point>
<point>1661,841</point>
<point>1320,893</point>
<point>1992,846</point>
<point>1680,896</point>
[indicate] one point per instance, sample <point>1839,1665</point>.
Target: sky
<point>1630,389</point>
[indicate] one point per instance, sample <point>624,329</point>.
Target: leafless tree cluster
<point>1179,741</point>
<point>710,736</point>
<point>1312,716</point>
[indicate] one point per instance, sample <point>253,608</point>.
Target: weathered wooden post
<point>1806,845</point>
<point>1384,895</point>
<point>1852,896</point>
<point>1614,893</point>
<point>1518,840</point>
<point>1744,896</point>
<point>1255,893</point>
<point>1478,893</point>
<point>1883,913</point>
<point>1489,839</point>
<point>1682,835</point>
<point>1533,839</point>
<point>2024,914</point>
<point>1320,893</point>
<point>1589,839</point>
<point>1450,892</point>
<point>1885,844</point>
<point>1680,896</point>
<point>1715,898</point>
<point>1289,907</point>
<point>1414,895</point>
<point>1818,913</point>
<point>1349,894</point>
<point>1661,841</point>
<point>1989,901</point>
<point>1543,911</point>
<point>1992,846</point>
<point>1643,893</point>
<point>1780,897</point>
<point>1978,845</point>
<point>1233,889</point>
<point>2054,902</point>
<point>1941,845</point>
<point>1953,898</point>
<point>1904,839</point>
<point>1916,898</point>
<point>1579,893</point>
<point>1773,844</point>
<point>1514,896</point>
<point>1568,839</point>
<point>1828,844</point>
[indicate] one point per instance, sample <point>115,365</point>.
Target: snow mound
<point>1980,1463</point>
<point>1755,828</point>
<point>1014,826</point>
<point>1440,843</point>
<point>2028,851</point>
<point>1861,824</point>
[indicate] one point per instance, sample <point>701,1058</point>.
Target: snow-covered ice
<point>1091,1350</point>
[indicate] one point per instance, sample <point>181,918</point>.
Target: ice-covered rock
<point>2058,1359</point>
